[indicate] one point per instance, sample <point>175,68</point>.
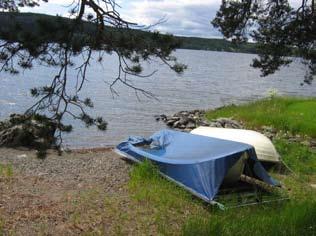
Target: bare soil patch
<point>38,198</point>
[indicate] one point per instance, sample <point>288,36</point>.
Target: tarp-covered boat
<point>265,149</point>
<point>197,163</point>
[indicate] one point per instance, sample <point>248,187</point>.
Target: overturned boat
<point>264,148</point>
<point>198,163</point>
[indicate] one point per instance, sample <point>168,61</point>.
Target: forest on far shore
<point>28,21</point>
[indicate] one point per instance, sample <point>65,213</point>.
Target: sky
<point>180,17</point>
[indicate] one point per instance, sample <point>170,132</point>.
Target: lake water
<point>212,79</point>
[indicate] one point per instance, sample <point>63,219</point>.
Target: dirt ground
<point>37,197</point>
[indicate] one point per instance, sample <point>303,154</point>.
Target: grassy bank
<point>184,215</point>
<point>296,115</point>
<point>285,114</point>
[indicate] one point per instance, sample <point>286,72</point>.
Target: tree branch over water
<point>279,30</point>
<point>92,26</point>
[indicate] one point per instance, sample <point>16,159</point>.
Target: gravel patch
<point>42,192</point>
<point>78,166</point>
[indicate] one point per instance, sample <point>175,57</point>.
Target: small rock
<point>222,121</point>
<point>22,156</point>
<point>176,124</point>
<point>190,125</point>
<point>204,123</point>
<point>187,130</point>
<point>183,120</point>
<point>306,143</point>
<point>312,143</point>
<point>235,124</point>
<point>292,139</point>
<point>163,116</point>
<point>184,113</point>
<point>170,122</point>
<point>175,118</point>
<point>196,117</point>
<point>227,125</point>
<point>269,129</point>
<point>269,135</point>
<point>214,124</point>
<point>42,174</point>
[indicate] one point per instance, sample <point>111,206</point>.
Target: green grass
<point>291,219</point>
<point>169,204</point>
<point>149,186</point>
<point>296,115</point>
<point>297,156</point>
<point>6,171</point>
<point>172,208</point>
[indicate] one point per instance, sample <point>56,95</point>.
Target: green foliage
<point>13,5</point>
<point>291,114</point>
<point>278,30</point>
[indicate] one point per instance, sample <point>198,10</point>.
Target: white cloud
<point>183,17</point>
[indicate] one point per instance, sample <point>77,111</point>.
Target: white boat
<point>265,149</point>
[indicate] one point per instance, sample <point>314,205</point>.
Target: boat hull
<point>264,148</point>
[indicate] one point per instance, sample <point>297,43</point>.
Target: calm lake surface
<point>212,79</point>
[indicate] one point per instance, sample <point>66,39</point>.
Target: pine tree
<point>279,30</point>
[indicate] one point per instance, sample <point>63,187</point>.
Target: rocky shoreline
<point>189,120</point>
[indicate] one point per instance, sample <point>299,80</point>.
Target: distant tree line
<point>30,22</point>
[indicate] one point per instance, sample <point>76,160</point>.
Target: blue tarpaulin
<point>195,162</point>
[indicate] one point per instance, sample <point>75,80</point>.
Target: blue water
<point>212,79</point>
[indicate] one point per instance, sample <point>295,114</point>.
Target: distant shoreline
<point>28,23</point>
